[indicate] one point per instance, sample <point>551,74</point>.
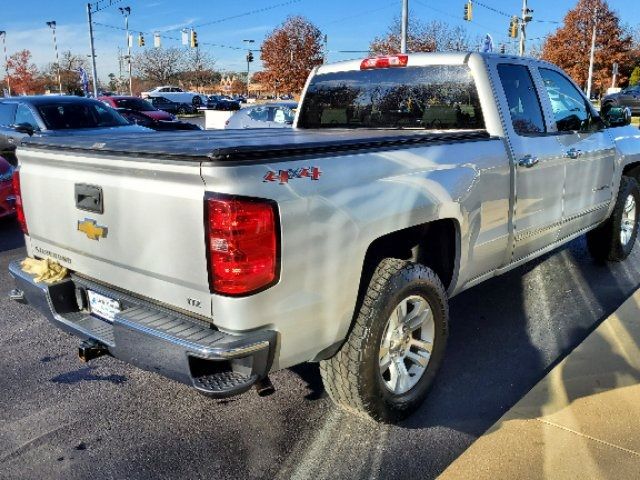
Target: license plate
<point>103,307</point>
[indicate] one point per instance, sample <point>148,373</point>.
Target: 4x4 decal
<point>283,176</point>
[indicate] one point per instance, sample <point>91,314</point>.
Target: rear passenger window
<point>7,114</point>
<point>522,98</point>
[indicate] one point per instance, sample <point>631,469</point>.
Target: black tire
<point>605,243</point>
<point>196,101</point>
<point>352,377</point>
<point>181,110</point>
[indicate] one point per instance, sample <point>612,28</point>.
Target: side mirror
<point>616,116</point>
<point>24,128</point>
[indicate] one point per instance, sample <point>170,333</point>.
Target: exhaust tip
<point>264,387</point>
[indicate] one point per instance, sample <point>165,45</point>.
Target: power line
<point>168,37</point>
<point>239,15</point>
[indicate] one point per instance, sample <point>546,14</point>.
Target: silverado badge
<point>91,229</point>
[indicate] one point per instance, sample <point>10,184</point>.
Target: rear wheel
<point>614,239</point>
<point>390,358</point>
<point>182,110</point>
<point>196,101</point>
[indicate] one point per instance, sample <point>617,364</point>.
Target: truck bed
<point>245,145</point>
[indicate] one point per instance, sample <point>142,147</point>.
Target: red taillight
<point>22,221</point>
<point>242,243</point>
<point>385,62</point>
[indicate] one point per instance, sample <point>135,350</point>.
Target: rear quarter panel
<point>328,224</point>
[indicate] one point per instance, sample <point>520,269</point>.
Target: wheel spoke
<point>420,360</point>
<point>401,312</point>
<point>403,375</point>
<point>419,320</point>
<point>423,345</point>
<point>385,363</point>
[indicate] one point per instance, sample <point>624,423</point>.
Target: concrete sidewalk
<point>581,421</point>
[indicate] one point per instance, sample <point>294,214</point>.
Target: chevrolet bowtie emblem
<point>91,229</point>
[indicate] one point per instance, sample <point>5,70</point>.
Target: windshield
<point>137,104</point>
<point>62,116</point>
<point>438,97</point>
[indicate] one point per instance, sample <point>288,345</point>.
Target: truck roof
<point>244,145</point>
<point>423,59</point>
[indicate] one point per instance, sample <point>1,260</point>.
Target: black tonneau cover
<point>245,145</point>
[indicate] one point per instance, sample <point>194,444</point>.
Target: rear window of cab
<point>435,97</point>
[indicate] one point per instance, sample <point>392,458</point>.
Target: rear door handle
<point>528,161</point>
<point>574,153</point>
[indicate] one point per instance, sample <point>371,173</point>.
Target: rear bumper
<point>154,338</point>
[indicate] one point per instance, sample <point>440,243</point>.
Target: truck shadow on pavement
<point>505,336</point>
<point>86,374</point>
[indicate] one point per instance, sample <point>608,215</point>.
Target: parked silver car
<point>269,115</point>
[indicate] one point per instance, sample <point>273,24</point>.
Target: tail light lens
<point>22,221</point>
<point>242,244</point>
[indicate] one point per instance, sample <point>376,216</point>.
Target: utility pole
<point>593,52</point>
<point>94,70</point>
<point>405,26</point>
<point>3,34</point>
<point>52,26</point>
<point>126,11</point>
<point>526,18</point>
<point>249,60</point>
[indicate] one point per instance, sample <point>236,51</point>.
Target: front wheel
<point>614,239</point>
<point>196,101</point>
<point>391,356</point>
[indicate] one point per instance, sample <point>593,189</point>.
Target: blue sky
<point>349,24</point>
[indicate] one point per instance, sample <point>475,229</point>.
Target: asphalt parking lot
<point>63,419</point>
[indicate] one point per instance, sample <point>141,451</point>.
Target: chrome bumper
<point>154,338</point>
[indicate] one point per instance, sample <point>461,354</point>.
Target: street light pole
<point>404,26</point>
<point>3,34</point>
<point>126,11</point>
<point>94,70</point>
<point>52,26</point>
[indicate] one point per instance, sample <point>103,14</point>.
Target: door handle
<point>528,161</point>
<point>574,153</point>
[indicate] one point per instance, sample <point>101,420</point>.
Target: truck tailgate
<point>149,237</point>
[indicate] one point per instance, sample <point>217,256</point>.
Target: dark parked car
<point>218,102</point>
<point>137,104</point>
<point>172,107</point>
<point>269,115</point>
<point>7,197</point>
<point>139,118</point>
<point>45,115</point>
<point>627,97</point>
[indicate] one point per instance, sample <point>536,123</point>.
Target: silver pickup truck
<point>215,258</point>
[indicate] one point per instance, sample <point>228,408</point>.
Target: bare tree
<point>199,69</point>
<point>422,37</point>
<point>160,65</point>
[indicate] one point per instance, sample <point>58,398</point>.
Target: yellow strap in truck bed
<point>46,271</point>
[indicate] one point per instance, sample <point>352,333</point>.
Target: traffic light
<point>193,41</point>
<point>503,49</point>
<point>468,11</point>
<point>249,57</point>
<point>513,27</point>
<point>140,40</point>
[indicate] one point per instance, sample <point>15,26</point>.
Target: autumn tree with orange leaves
<point>23,74</point>
<point>569,47</point>
<point>289,54</point>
